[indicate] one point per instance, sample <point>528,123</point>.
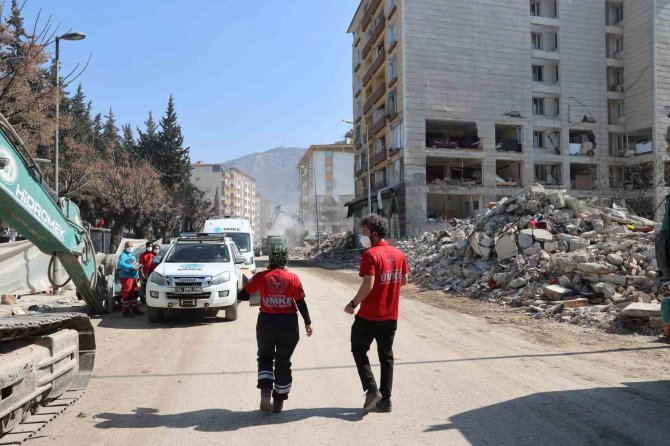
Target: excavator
<point>288,224</point>
<point>46,360</point>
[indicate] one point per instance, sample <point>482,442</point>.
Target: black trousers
<point>277,336</point>
<point>363,332</point>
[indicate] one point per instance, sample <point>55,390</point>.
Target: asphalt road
<point>459,380</point>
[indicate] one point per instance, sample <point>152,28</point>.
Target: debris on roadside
<point>551,254</point>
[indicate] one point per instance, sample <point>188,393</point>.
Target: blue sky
<point>247,76</point>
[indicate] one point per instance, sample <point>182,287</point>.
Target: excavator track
<point>46,363</point>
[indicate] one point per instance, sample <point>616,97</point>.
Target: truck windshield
<point>243,241</point>
<point>200,252</point>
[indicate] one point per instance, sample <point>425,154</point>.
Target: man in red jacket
<point>384,270</point>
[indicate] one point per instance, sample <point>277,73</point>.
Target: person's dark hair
<point>376,223</point>
<point>149,244</point>
<point>278,257</point>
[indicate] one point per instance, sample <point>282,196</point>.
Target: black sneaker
<point>277,406</point>
<point>372,397</point>
<point>265,399</point>
<point>384,405</point>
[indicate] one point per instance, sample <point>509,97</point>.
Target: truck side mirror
<point>239,260</point>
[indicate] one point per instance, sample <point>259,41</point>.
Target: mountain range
<point>275,173</point>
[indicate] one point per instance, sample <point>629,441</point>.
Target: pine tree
<point>98,142</point>
<point>128,140</point>
<point>18,33</point>
<point>81,126</point>
<point>147,142</point>
<point>174,163</point>
<point>110,133</point>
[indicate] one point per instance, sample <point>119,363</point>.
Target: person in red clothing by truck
<point>384,270</point>
<point>147,259</point>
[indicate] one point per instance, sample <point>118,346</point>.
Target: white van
<point>238,229</point>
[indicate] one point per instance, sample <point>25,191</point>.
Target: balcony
<point>614,62</point>
<point>378,158</point>
<point>379,124</point>
<point>545,21</point>
<point>363,167</point>
<point>376,95</point>
<point>369,12</point>
<point>381,57</point>
<point>374,34</point>
<point>379,185</point>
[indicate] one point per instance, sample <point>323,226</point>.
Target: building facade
<point>231,191</point>
<point>476,100</point>
<point>326,181</point>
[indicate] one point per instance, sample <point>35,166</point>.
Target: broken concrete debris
<point>553,255</point>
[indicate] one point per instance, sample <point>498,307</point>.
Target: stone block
<point>557,198</point>
<point>506,247</point>
<point>8,299</point>
<point>533,206</point>
<point>578,243</point>
<point>576,303</point>
<point>556,292</point>
<point>639,309</point>
<point>616,279</point>
<point>615,259</point>
<point>542,235</point>
<point>594,267</point>
<point>525,239</point>
<point>573,203</point>
<point>551,247</point>
<point>519,282</point>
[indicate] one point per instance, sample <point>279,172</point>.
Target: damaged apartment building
<point>325,183</point>
<point>459,103</point>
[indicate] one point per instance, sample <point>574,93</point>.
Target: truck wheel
<point>155,314</point>
<point>231,311</point>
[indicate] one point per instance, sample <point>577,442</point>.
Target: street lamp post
<point>316,207</point>
<point>66,36</point>
<point>367,158</point>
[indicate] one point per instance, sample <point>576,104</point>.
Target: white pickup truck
<point>197,273</point>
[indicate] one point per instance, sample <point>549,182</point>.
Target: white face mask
<point>129,250</point>
<point>156,251</point>
<point>365,241</point>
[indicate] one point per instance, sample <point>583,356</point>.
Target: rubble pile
<point>335,249</point>
<point>551,255</point>
<point>331,242</point>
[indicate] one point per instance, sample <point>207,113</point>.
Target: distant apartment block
<point>326,181</point>
<point>231,191</point>
<point>466,101</point>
